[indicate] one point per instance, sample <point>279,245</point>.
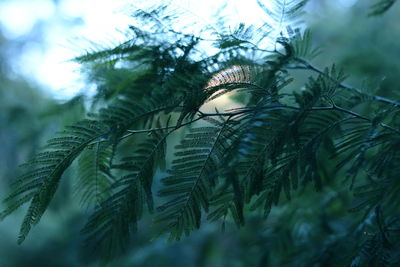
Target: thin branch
<point>175,127</point>
<point>239,111</point>
<point>309,66</point>
<point>333,107</point>
<point>383,125</point>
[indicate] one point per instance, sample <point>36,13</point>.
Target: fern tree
<point>151,146</point>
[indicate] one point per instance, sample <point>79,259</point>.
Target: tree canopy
<point>159,150</point>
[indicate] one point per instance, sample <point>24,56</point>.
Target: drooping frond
<point>40,182</point>
<point>39,185</point>
<point>227,198</point>
<point>109,229</point>
<point>192,177</point>
<point>298,164</point>
<point>95,174</point>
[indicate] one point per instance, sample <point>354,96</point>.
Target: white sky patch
<point>19,17</point>
<point>100,20</point>
<point>100,24</point>
<point>53,67</point>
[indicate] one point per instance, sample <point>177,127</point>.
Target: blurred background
<point>42,89</point>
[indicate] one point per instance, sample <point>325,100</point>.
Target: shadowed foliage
<point>157,145</point>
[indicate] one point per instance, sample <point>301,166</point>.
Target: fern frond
<point>110,227</point>
<point>39,184</point>
<point>365,146</point>
<point>297,163</point>
<point>228,198</point>
<point>321,90</point>
<point>191,179</point>
<point>302,44</point>
<point>94,174</point>
<point>252,141</point>
<point>329,82</point>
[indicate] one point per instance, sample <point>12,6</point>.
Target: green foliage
<point>156,92</point>
<point>115,217</point>
<point>39,183</point>
<point>95,177</point>
<point>192,177</point>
